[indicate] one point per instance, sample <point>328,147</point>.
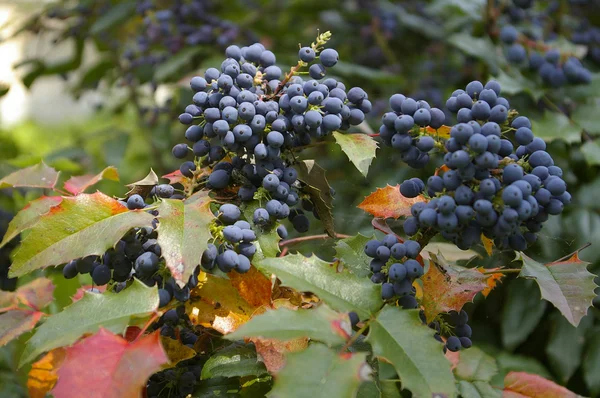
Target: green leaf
<point>109,310</point>
<point>475,365</point>
<point>399,337</point>
<point>84,225</point>
<point>115,15</point>
<point>28,216</point>
<point>421,25</point>
<point>351,252</point>
<point>269,242</point>
<point>477,389</point>
<point>183,233</point>
<point>591,152</point>
<point>516,83</point>
<point>450,251</point>
<point>320,372</point>
<point>317,187</point>
<point>342,291</point>
<point>233,361</point>
<point>588,117</point>
<point>320,324</point>
<point>176,63</point>
<point>480,48</point>
<point>521,313</point>
<point>360,149</point>
<point>555,125</point>
<point>508,362</point>
<point>591,362</point>
<point>565,347</point>
<point>37,176</point>
<point>568,285</point>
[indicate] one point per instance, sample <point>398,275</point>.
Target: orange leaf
<point>217,303</point>
<point>253,286</point>
<point>521,384</point>
<point>492,279</point>
<point>488,244</point>
<point>443,132</point>
<point>449,287</point>
<point>79,184</point>
<point>273,351</point>
<point>43,374</point>
<point>106,365</point>
<point>388,202</point>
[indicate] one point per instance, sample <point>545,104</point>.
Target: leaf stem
<point>150,321</point>
<point>355,337</point>
<point>310,237</point>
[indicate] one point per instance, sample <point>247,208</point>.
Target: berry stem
<point>150,321</point>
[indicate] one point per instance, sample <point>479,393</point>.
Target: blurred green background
<point>81,90</point>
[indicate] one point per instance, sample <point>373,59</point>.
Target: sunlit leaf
<point>28,216</point>
<point>79,184</point>
<point>87,224</point>
<point>360,149</point>
<point>388,202</point>
<point>44,373</point>
<point>183,234</point>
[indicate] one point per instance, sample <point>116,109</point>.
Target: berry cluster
<point>181,380</point>
<point>555,69</point>
<point>488,187</point>
<point>405,128</point>
<point>168,27</point>
<point>245,111</point>
<point>456,330</point>
<point>394,265</point>
<point>234,248</point>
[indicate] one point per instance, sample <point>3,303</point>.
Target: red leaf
<point>79,184</point>
<point>36,294</point>
<point>106,365</point>
<point>521,384</point>
<point>449,287</point>
<point>388,202</point>
<point>15,323</point>
<point>175,177</point>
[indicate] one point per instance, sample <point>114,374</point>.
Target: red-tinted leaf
<point>28,216</point>
<point>79,184</point>
<point>106,365</point>
<point>273,351</point>
<point>16,322</point>
<point>174,177</point>
<point>388,202</point>
<point>448,287</point>
<point>36,294</point>
<point>521,384</point>
<point>493,279</point>
<point>44,373</point>
<point>38,176</point>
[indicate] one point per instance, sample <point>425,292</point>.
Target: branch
<point>310,237</point>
